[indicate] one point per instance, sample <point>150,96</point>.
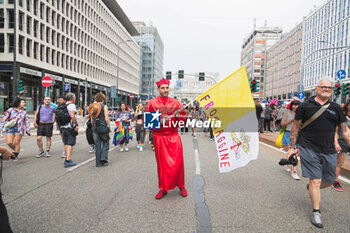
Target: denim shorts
<point>286,138</point>
<point>13,130</point>
<point>316,165</point>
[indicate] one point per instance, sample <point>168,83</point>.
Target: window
<point>20,2</point>
<point>29,24</point>
<point>11,1</point>
<point>42,31</point>
<point>53,21</point>
<point>35,6</point>
<point>53,57</point>
<point>11,18</point>
<point>47,55</point>
<point>35,29</point>
<point>47,35</point>
<point>2,18</point>
<point>36,45</point>
<point>20,20</point>
<point>10,39</point>
<point>28,5</point>
<point>53,38</point>
<point>42,9</point>
<point>58,21</point>
<point>48,14</point>
<point>29,45</point>
<point>42,51</point>
<point>2,43</point>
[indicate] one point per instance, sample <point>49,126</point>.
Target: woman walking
<point>124,116</point>
<point>194,116</point>
<point>140,130</point>
<point>287,121</point>
<point>16,123</point>
<point>100,129</point>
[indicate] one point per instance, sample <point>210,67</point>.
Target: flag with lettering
<point>230,102</point>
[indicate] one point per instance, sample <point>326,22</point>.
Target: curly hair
<point>17,102</point>
<point>100,97</point>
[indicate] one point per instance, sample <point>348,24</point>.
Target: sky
<point>207,35</point>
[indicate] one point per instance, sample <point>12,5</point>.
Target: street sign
<point>341,74</point>
<point>131,96</point>
<point>113,91</point>
<point>301,95</point>
<point>46,81</point>
<point>67,87</point>
<point>291,95</point>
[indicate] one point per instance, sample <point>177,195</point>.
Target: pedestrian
<point>262,117</point>
<point>185,128</point>
<point>287,121</point>
<point>167,142</point>
<point>124,116</point>
<point>140,130</point>
<point>342,148</point>
<point>66,119</point>
<point>194,116</point>
<point>5,227</point>
<point>43,121</point>
<point>267,120</point>
<point>100,129</point>
<point>279,112</point>
<point>205,118</point>
<point>16,123</point>
<point>89,135</point>
<point>320,117</point>
<point>258,111</point>
<point>61,101</point>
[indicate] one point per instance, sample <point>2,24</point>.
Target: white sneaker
<point>295,176</point>
<point>40,154</point>
<point>141,148</point>
<point>138,146</point>
<point>92,149</point>
<point>47,154</point>
<point>121,149</point>
<point>126,149</point>
<point>63,155</point>
<point>288,169</point>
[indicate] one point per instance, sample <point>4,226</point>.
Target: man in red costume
<point>167,141</point>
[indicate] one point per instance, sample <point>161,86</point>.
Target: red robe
<point>167,144</point>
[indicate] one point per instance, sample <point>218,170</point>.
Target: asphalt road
<point>43,196</point>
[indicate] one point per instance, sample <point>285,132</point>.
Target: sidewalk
<point>270,138</point>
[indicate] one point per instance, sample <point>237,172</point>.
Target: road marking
<point>81,164</point>
<point>344,179</point>
<point>340,177</point>
<point>197,163</point>
<point>85,162</point>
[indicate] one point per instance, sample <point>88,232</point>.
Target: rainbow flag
<point>130,133</point>
<point>230,102</point>
<point>118,133</point>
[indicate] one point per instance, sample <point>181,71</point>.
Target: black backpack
<point>62,115</point>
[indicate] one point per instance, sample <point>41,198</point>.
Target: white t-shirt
<point>70,107</point>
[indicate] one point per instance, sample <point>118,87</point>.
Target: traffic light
<point>168,75</point>
<point>257,86</point>
<point>337,89</point>
<point>20,86</point>
<point>252,84</point>
<point>201,76</point>
<point>181,74</point>
<point>346,88</point>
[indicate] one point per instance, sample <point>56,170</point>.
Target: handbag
<point>12,123</point>
<point>279,139</point>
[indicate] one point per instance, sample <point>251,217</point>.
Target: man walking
<point>317,118</point>
<point>167,142</point>
<point>65,117</point>
<point>44,120</point>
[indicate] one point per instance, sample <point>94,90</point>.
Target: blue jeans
<point>211,133</point>
<point>101,147</point>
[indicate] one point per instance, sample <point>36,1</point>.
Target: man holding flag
<point>167,141</point>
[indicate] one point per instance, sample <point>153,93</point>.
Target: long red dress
<point>167,144</point>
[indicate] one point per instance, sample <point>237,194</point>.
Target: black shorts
<point>68,136</point>
<point>45,130</point>
<point>344,146</point>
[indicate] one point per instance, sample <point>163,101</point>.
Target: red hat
<point>163,81</point>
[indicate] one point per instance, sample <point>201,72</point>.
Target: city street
<point>43,196</point>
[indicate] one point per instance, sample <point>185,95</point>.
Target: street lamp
<point>118,46</point>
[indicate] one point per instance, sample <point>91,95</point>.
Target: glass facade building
<point>152,52</point>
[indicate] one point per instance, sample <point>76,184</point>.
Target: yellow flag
<point>230,101</point>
